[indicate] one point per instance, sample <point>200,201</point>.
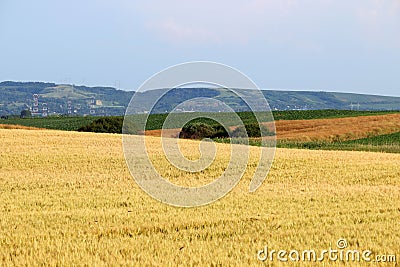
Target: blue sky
<point>330,45</point>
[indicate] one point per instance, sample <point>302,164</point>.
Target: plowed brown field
<point>325,129</point>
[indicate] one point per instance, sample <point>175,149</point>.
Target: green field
<point>55,123</point>
<point>325,114</point>
<point>384,139</point>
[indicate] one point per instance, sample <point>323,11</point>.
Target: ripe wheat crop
<point>67,198</point>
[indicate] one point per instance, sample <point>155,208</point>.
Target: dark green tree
<point>200,130</point>
<point>104,125</point>
<point>26,113</point>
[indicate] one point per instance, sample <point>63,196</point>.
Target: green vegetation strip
<point>325,114</point>
<point>389,143</point>
<point>55,123</point>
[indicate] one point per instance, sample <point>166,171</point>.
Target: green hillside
<point>108,101</point>
<point>62,99</point>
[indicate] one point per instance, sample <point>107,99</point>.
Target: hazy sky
<point>330,45</point>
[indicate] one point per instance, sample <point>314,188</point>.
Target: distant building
<point>35,108</point>
<point>44,110</point>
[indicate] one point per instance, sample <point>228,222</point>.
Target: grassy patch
<point>389,143</point>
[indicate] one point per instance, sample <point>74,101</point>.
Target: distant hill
<point>283,100</point>
<point>62,99</point>
<point>83,100</point>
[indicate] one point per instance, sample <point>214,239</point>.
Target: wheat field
<point>67,198</point>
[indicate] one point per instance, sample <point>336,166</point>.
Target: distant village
<point>91,107</point>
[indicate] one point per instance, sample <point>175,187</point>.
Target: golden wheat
<point>68,198</point>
